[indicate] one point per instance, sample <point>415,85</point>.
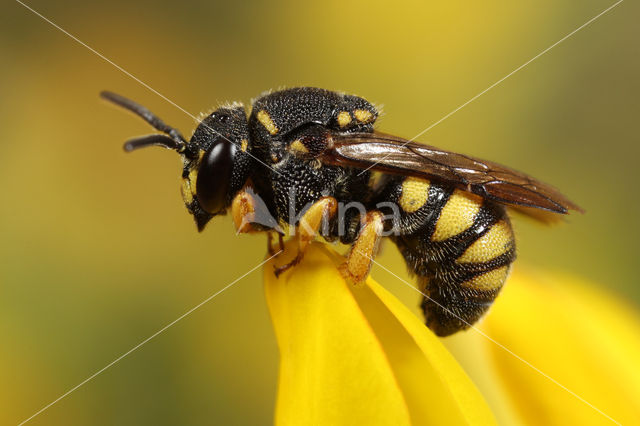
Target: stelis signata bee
<point>446,212</point>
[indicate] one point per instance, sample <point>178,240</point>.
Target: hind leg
<point>365,247</point>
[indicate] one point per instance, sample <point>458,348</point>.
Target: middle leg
<point>320,212</point>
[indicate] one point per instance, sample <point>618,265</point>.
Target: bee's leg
<point>364,249</point>
<point>270,249</point>
<point>321,211</point>
<point>281,241</point>
<point>243,212</point>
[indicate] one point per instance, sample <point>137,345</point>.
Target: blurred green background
<point>98,251</point>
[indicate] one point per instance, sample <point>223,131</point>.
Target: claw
<point>272,251</point>
<point>280,269</point>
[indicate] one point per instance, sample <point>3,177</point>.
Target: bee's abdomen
<point>458,244</point>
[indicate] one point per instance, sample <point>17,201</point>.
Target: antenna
<point>172,140</point>
<point>151,140</point>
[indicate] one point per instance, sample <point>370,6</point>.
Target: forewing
<point>391,154</point>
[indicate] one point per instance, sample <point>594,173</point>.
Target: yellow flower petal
<point>577,334</point>
<point>356,355</point>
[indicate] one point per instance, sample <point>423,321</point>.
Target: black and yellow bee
<point>302,153</point>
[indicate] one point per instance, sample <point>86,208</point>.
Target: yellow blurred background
<point>98,251</point>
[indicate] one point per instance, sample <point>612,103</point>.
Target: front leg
<point>250,215</point>
<point>321,211</point>
<point>272,251</point>
<point>243,211</point>
<point>360,258</point>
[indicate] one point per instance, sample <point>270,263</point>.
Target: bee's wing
<point>391,154</point>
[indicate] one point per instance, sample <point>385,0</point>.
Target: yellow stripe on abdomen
<point>488,281</point>
<point>458,214</point>
<point>496,241</point>
<point>415,192</point>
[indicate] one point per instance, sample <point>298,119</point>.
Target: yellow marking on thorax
<point>362,115</point>
<point>415,192</point>
<point>298,146</point>
<point>267,122</point>
<point>457,215</point>
<point>243,145</point>
<point>491,280</point>
<point>496,241</point>
<point>344,118</point>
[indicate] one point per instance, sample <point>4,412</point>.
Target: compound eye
<point>214,176</point>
